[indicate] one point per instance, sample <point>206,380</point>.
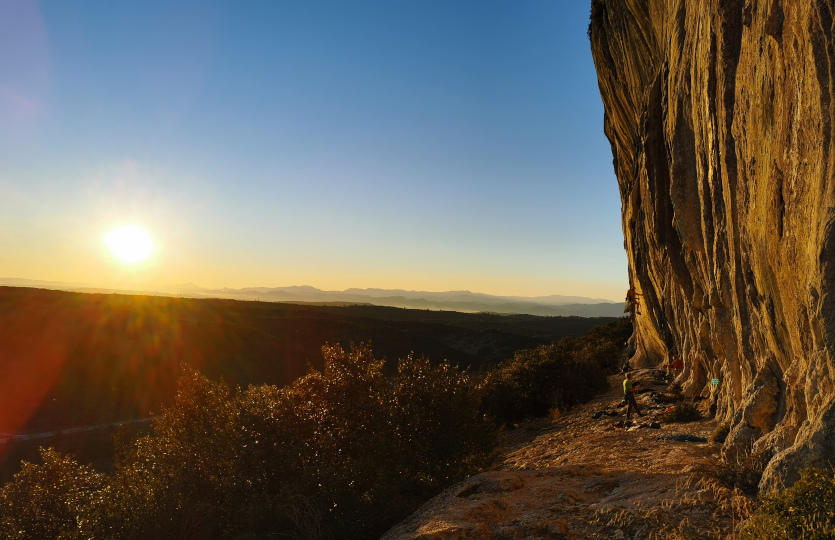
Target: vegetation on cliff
<point>801,511</point>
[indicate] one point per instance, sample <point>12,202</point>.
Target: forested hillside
<point>74,359</point>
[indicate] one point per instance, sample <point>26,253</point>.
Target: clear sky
<point>429,145</point>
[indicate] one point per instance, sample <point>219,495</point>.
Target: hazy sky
<point>431,145</point>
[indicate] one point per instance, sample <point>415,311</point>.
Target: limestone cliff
<point>720,117</point>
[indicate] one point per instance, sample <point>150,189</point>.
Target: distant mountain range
<point>463,301</point>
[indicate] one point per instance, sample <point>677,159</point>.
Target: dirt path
<point>578,478</point>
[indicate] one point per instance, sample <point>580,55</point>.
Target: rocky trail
<point>575,477</point>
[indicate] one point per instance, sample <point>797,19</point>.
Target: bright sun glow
<point>129,244</point>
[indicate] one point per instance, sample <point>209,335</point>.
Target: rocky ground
<point>575,477</point>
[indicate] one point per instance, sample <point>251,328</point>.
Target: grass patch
<point>742,471</point>
<point>653,524</point>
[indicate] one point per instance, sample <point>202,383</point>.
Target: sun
<point>130,244</point>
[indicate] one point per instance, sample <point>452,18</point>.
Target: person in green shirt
<point>629,396</point>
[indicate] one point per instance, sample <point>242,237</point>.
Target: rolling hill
<point>73,359</point>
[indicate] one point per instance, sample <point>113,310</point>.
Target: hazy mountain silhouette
<point>463,301</point>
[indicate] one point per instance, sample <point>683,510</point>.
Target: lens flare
<point>130,244</point>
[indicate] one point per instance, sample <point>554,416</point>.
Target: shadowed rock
<point>720,118</point>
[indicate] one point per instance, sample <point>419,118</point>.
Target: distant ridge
<point>463,301</point>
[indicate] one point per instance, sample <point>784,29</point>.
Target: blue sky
<point>432,145</point>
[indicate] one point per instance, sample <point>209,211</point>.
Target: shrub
<point>436,411</point>
<point>683,412</point>
<point>536,380</point>
<point>364,448</point>
<point>343,421</point>
<point>182,481</point>
<point>48,500</point>
<point>340,453</point>
<point>604,345</point>
<point>559,375</point>
<point>801,511</point>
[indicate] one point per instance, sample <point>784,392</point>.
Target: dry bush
<point>683,412</point>
<point>732,503</point>
<point>742,471</point>
<point>676,391</point>
<point>306,517</point>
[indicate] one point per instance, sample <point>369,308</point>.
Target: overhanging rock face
<point>720,116</point>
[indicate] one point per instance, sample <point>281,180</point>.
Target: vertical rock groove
<point>719,114</point>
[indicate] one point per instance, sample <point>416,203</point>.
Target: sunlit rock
<point>720,118</point>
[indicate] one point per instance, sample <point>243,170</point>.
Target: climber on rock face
<point>676,366</point>
<point>629,396</point>
<point>632,304</point>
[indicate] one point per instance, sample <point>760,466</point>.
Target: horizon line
<point>138,287</point>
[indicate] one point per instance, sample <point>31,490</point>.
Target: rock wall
<point>720,117</point>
